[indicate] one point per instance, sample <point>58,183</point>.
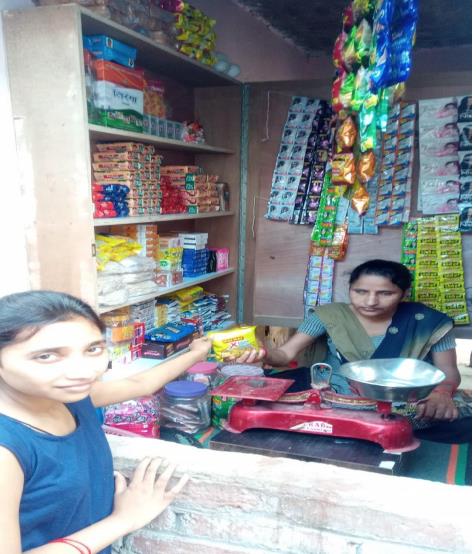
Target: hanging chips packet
<point>338,52</point>
<point>367,128</point>
<point>360,200</point>
<point>343,169</point>
<point>363,43</point>
<point>346,134</point>
<point>366,166</point>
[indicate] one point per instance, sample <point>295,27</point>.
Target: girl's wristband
<point>79,546</point>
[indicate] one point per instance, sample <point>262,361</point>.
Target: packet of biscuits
<point>231,344</point>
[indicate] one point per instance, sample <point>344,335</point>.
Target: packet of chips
<point>360,200</point>
<point>347,90</point>
<point>343,169</point>
<point>231,344</point>
<point>349,53</point>
<point>338,52</point>
<point>363,41</point>
<point>367,128</point>
<point>336,88</point>
<point>346,134</point>
<point>366,166</point>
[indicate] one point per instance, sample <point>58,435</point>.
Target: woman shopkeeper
<point>377,323</point>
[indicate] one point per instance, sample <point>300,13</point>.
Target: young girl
<point>56,478</point>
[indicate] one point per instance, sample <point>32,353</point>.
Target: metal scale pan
<point>392,379</point>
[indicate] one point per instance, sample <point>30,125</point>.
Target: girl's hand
<point>439,405</point>
<point>146,496</point>
<point>201,346</point>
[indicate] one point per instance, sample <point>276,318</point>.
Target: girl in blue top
<point>56,478</point>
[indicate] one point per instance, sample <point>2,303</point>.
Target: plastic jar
<point>185,405</point>
<point>203,372</point>
<point>119,328</point>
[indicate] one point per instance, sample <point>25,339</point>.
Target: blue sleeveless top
<point>69,481</point>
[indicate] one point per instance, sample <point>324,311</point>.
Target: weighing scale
<point>264,403</point>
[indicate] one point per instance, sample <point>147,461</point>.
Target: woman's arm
<point>134,506</point>
<point>439,404</point>
<point>148,382</point>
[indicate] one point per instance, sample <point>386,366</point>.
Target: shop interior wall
<point>277,252</point>
<point>262,54</point>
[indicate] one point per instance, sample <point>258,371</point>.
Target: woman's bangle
<point>79,546</point>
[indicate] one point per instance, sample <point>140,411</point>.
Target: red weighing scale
<point>264,403</point>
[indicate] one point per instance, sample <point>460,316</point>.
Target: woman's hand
<point>201,346</point>
<point>252,356</point>
<point>146,496</point>
<point>439,405</point>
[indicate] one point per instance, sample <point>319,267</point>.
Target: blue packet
<point>107,48</point>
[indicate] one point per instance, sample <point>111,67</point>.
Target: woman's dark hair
<point>397,273</point>
<point>32,310</point>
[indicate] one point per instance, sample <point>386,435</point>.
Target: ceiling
<point>313,25</point>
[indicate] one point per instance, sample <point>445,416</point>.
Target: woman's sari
<point>414,329</point>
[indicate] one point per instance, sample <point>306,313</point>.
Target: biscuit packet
<point>231,344</point>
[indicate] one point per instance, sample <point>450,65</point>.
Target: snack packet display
<point>432,250</point>
<point>300,163</point>
<point>231,344</point>
<point>318,285</point>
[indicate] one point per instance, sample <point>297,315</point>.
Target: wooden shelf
<point>157,218</point>
<point>163,59</point>
<point>187,282</point>
<point>108,133</point>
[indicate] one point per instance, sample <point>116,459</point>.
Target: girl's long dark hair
<point>28,312</point>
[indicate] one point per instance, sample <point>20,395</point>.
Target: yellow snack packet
<point>232,343</point>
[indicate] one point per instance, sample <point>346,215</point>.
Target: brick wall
<point>249,504</point>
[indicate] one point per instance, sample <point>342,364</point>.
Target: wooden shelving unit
<point>46,69</point>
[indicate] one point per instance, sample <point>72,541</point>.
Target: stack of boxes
<point>198,191</point>
<point>195,254</point>
<point>169,260</point>
<point>146,235</point>
<point>134,165</point>
<point>115,89</point>
<point>172,201</point>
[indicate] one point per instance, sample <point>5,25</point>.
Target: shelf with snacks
<point>187,282</point>
<point>99,133</point>
<point>153,55</point>
<point>159,218</point>
<point>46,61</point>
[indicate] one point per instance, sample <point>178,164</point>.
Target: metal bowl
<point>392,379</point>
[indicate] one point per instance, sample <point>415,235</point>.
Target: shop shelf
<point>187,282</point>
<point>163,59</point>
<point>98,132</point>
<point>107,221</point>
